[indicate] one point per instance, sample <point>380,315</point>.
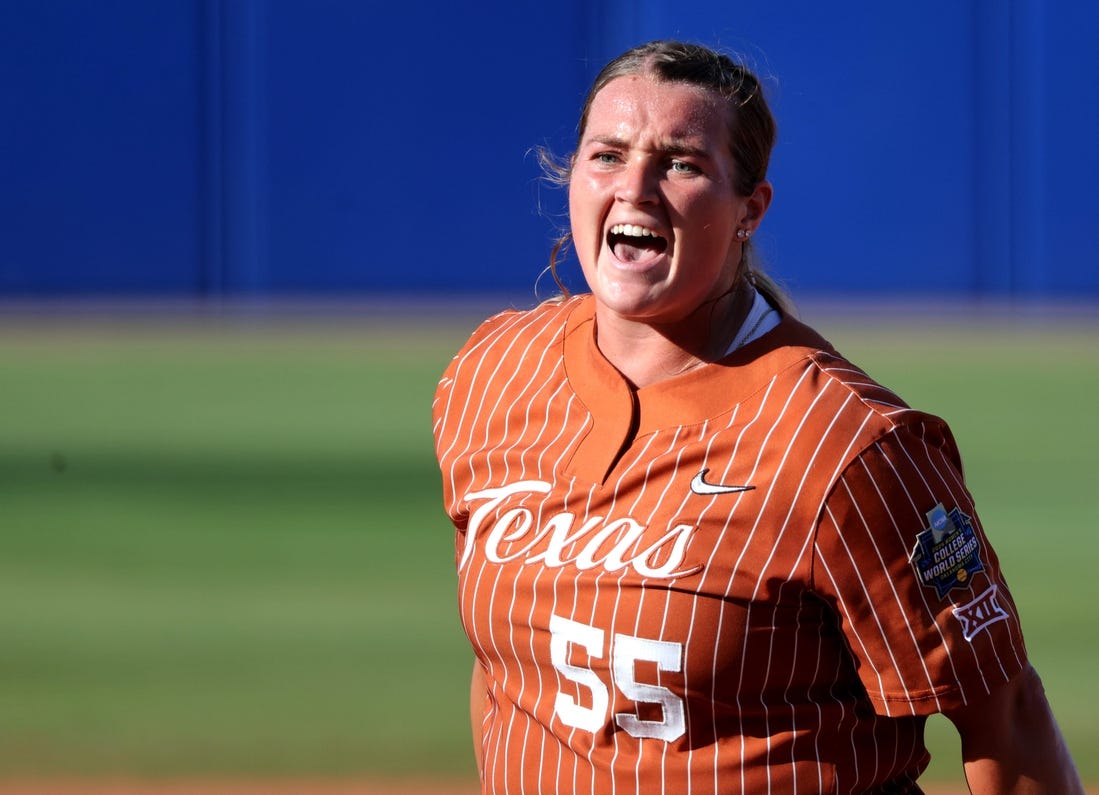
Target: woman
<point>699,551</point>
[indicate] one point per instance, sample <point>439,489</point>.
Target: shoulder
<point>547,320</point>
<point>848,382</point>
<point>510,335</point>
<point>840,399</point>
<point>509,342</point>
<point>854,382</point>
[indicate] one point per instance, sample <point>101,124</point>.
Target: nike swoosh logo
<point>700,486</point>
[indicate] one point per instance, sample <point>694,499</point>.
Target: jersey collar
<point>621,414</point>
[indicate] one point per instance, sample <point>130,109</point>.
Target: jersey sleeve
<point>902,558</point>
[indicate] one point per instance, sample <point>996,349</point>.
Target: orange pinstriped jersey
<point>757,576</point>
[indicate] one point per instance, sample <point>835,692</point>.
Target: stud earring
<point>743,234</point>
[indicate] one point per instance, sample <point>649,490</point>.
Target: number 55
<point>625,652</point>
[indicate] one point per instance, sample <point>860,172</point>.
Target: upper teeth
<point>632,231</point>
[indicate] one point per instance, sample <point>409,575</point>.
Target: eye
<point>683,167</point>
<point>606,158</point>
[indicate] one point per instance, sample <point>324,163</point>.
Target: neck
<point>646,353</point>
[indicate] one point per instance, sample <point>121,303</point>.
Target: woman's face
<point>651,200</point>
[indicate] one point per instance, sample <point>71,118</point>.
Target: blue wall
<point>269,147</point>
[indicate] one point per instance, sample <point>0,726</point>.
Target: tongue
<point>634,252</point>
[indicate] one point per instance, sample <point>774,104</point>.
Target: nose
<point>636,182</point>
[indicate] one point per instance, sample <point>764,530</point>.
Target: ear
<point>755,206</point>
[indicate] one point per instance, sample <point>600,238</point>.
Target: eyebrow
<point>675,146</point>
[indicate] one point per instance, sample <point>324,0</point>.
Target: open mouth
<point>632,243</point>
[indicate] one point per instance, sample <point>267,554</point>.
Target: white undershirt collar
<point>761,318</point>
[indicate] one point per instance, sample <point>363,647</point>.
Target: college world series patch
<point>947,554</point>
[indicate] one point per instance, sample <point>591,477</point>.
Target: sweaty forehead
<point>639,105</point>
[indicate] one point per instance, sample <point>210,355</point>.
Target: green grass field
<point>222,549</point>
